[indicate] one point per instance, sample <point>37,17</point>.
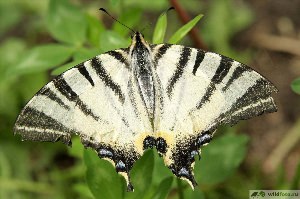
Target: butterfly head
<point>137,35</point>
<point>138,42</point>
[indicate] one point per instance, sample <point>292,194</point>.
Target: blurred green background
<point>42,38</point>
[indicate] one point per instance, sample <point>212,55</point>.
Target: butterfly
<point>168,97</point>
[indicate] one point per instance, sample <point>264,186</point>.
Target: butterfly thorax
<point>142,68</point>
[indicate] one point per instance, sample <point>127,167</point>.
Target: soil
<point>279,60</point>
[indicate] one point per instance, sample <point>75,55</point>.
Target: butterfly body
<point>125,101</point>
<point>144,72</point>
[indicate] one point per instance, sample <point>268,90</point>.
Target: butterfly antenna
<point>103,10</point>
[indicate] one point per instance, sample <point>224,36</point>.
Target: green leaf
<point>296,179</point>
<point>160,174</point>
<point>80,56</point>
<point>95,28</point>
<point>153,5</point>
<point>42,58</point>
<point>11,15</point>
<point>8,99</point>
<point>160,171</point>
<point>221,158</point>
<point>5,172</point>
<point>296,86</point>
<point>86,54</point>
<point>102,179</point>
<point>66,22</point>
<point>31,83</point>
<point>8,84</point>
<point>160,29</point>
<point>130,18</point>
<point>179,34</point>
<point>224,19</point>
<point>114,2</point>
<point>111,40</point>
<point>77,148</point>
<point>163,188</point>
<point>83,190</point>
<point>197,193</point>
<point>141,175</point>
<point>8,58</point>
<point>66,67</point>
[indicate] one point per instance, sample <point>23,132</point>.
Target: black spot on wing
<point>85,73</point>
<point>161,145</point>
<point>183,59</point>
<point>149,142</point>
<point>204,138</point>
<point>105,77</point>
<point>199,58</point>
<point>183,157</point>
<point>219,75</point>
<point>123,157</point>
<point>51,95</point>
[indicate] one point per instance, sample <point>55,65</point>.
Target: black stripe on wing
<point>199,58</point>
<point>118,56</point>
<point>183,59</point>
<point>62,86</point>
<point>238,72</point>
<point>106,78</point>
<point>51,95</point>
<point>160,52</point>
<point>260,90</point>
<point>219,75</point>
<point>255,101</point>
<point>85,73</point>
<point>31,119</point>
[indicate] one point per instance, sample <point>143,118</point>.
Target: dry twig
<point>277,43</point>
<point>280,152</point>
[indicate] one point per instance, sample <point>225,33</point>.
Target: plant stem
<point>279,153</point>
